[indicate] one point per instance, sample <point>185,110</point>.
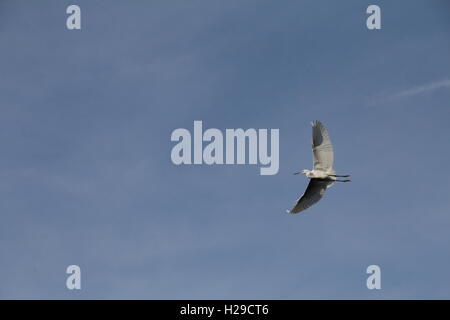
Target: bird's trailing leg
<point>346,180</point>
<point>338,176</point>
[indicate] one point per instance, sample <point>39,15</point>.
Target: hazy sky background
<point>86,176</point>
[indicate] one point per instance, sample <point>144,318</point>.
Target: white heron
<point>323,175</point>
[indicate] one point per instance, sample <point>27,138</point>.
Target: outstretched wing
<point>321,147</point>
<point>314,192</point>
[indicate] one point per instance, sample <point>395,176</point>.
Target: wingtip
<point>315,123</point>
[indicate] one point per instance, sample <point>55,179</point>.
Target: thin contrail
<point>423,89</point>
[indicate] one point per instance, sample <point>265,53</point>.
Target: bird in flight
<point>323,175</point>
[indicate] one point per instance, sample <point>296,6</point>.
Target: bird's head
<point>303,172</point>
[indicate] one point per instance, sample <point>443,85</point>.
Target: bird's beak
<point>298,172</point>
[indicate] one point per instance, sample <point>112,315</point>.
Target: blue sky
<point>86,176</point>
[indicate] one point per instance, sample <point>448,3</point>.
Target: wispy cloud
<point>422,89</point>
<point>410,92</point>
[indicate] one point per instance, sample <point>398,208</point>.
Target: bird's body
<point>319,174</point>
<point>323,175</point>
